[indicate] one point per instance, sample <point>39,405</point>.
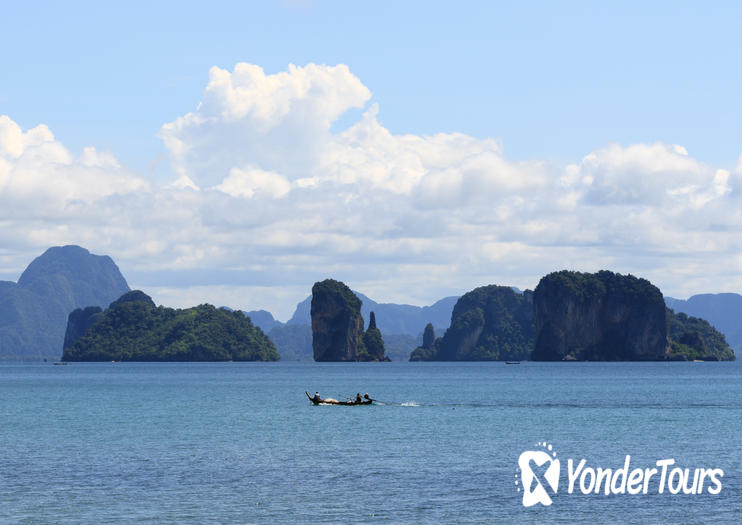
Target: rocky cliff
<point>393,318</point>
<point>489,323</point>
<point>337,324</point>
<point>598,317</point>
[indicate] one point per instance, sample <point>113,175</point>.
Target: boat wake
<point>409,404</point>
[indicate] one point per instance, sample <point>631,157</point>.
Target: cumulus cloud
<point>646,174</point>
<point>279,121</point>
<point>252,181</point>
<point>37,171</point>
<point>265,195</point>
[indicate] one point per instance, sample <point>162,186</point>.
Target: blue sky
<point>551,83</point>
<point>551,79</point>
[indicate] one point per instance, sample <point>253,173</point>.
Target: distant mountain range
<point>722,310</point>
<point>33,311</point>
<point>263,319</point>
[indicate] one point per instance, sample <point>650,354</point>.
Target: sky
<point>237,152</point>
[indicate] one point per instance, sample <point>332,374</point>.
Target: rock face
<point>393,318</point>
<point>33,311</point>
<point>134,329</point>
<point>598,317</point>
<point>337,324</point>
<point>489,323</point>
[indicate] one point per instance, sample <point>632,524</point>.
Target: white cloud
<point>183,182</point>
<point>281,124</point>
<point>276,122</point>
<point>253,181</point>
<point>646,174</point>
<point>13,141</point>
<point>38,174</point>
<point>266,196</point>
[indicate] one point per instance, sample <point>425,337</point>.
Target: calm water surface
<point>240,443</point>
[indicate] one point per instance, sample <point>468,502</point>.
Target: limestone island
<point>490,323</point>
<point>337,326</point>
<point>132,328</point>
<point>573,316</point>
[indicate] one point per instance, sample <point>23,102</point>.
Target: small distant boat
<point>698,361</point>
<point>512,362</point>
<point>331,401</point>
<point>60,363</point>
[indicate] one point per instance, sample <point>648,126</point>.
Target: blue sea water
<point>240,443</point>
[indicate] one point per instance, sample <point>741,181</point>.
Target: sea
<point>241,443</point>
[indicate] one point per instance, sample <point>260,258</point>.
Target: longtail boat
<point>331,401</point>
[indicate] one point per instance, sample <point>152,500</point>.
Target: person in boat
<point>316,398</point>
<point>366,397</point>
<point>358,399</point>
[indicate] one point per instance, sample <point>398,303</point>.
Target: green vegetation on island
<point>693,338</point>
<point>573,316</point>
<point>134,329</point>
<point>489,323</point>
<point>722,310</point>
